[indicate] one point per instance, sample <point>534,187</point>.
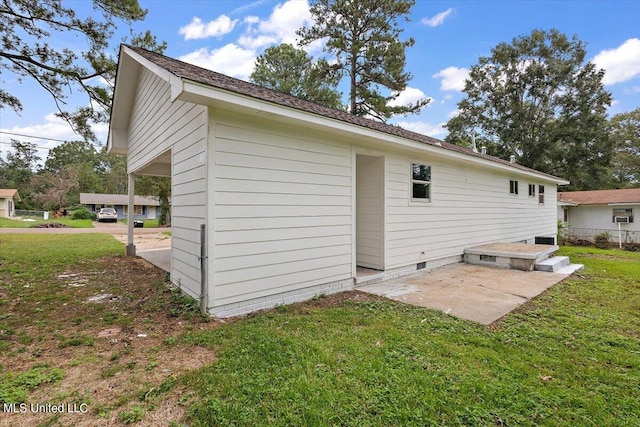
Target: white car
<point>107,214</point>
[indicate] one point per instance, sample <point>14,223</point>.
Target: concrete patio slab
<point>158,257</point>
<point>478,293</point>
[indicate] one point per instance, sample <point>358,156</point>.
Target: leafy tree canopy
<point>624,131</point>
<point>537,98</point>
<point>289,70</point>
<point>25,53</point>
<point>364,36</point>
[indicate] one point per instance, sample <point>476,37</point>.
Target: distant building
<point>144,207</point>
<point>8,199</point>
<point>587,213</point>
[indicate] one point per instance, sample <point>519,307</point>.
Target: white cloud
<point>280,27</point>
<point>437,19</point>
<point>51,127</point>
<point>410,95</point>
<point>230,59</point>
<point>453,78</point>
<point>454,113</point>
<point>196,29</point>
<point>620,64</point>
<point>424,128</point>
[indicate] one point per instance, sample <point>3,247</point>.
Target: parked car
<point>107,214</point>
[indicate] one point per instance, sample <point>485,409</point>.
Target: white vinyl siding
<point>469,207</point>
<point>370,212</point>
<point>159,126</point>
<point>599,217</point>
<point>282,209</point>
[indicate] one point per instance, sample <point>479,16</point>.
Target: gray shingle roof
<point>221,81</point>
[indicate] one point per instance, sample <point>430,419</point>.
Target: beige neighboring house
<point>8,199</point>
<point>587,213</point>
<point>276,199</point>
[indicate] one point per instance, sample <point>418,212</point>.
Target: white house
<point>8,199</point>
<point>144,207</point>
<point>290,199</point>
<point>587,213</point>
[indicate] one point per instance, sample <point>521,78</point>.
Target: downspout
<point>204,292</point>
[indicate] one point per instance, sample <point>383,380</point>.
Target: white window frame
<point>413,181</point>
<point>541,194</point>
<point>532,190</point>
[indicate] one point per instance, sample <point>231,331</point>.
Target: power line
<point>34,145</point>
<point>33,136</point>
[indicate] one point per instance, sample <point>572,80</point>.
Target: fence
<point>33,214</point>
<point>626,237</point>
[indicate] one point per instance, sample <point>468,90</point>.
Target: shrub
<point>602,240</point>
<point>83,213</point>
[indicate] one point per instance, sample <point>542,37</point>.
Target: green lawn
<point>148,223</point>
<point>570,357</point>
<point>75,223</point>
<point>39,255</point>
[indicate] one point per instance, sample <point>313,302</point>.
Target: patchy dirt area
<point>147,241</point>
<point>111,327</point>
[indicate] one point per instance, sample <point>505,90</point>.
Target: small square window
<point>513,187</point>
<point>420,182</point>
<point>541,194</point>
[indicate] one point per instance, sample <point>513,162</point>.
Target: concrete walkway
<point>478,293</point>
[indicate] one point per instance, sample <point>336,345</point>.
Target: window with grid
<point>420,182</point>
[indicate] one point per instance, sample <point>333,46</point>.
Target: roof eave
<point>203,94</point>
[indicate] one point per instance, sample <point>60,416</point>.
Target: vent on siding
<point>421,265</point>
<point>545,240</point>
<point>488,258</point>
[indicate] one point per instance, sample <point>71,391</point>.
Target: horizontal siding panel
<point>263,272</point>
<point>223,237</point>
<point>266,199</point>
<point>272,281</point>
<point>272,259</point>
<point>228,135</point>
<point>188,211</point>
<point>229,211</point>
<point>274,285</point>
<point>259,248</point>
<point>196,173</point>
<point>270,175</point>
<point>255,186</point>
<point>270,152</point>
<point>253,162</point>
<point>235,224</point>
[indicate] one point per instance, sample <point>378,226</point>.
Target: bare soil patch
<point>112,327</point>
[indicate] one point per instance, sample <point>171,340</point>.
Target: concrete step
<point>552,264</point>
<point>570,269</point>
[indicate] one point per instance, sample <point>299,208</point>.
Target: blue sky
<point>226,36</point>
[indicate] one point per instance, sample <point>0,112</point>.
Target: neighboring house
<point>588,213</point>
<point>144,207</point>
<point>290,199</point>
<point>8,199</point>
